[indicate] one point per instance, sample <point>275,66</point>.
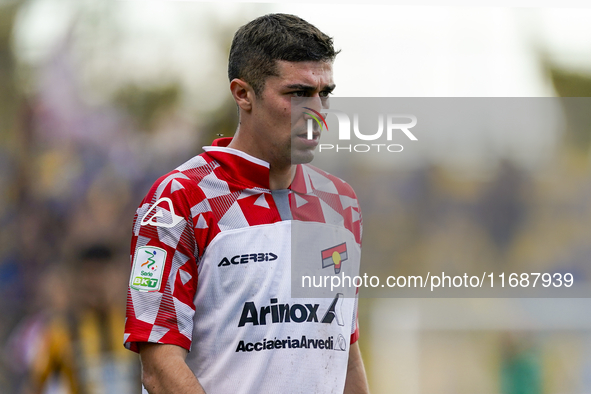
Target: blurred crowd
<point>71,176</point>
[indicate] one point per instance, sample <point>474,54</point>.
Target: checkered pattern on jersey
<point>182,213</point>
<point>220,190</point>
<point>318,196</point>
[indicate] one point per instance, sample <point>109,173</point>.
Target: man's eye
<point>324,94</point>
<point>298,94</point>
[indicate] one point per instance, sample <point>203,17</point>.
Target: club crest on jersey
<point>147,269</point>
<point>158,218</point>
<point>335,256</point>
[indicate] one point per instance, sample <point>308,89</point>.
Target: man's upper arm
<point>163,276</point>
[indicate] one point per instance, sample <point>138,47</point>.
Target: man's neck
<point>281,178</point>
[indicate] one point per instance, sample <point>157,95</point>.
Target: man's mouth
<point>315,135</point>
<point>302,142</point>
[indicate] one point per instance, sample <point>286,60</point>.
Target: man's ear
<point>243,94</point>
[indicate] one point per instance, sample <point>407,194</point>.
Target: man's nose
<point>316,102</point>
<point>313,105</point>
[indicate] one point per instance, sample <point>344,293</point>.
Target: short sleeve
<point>163,277</point>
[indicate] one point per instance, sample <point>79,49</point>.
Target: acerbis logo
<point>286,313</point>
<point>394,122</point>
<point>160,214</point>
<point>334,256</point>
<point>245,258</point>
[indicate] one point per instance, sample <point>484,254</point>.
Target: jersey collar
<point>238,165</point>
<point>247,169</point>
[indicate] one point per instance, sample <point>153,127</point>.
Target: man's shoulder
<point>189,176</point>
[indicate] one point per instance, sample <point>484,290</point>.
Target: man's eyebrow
<point>299,86</point>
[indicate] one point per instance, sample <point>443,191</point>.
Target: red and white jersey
<point>211,272</point>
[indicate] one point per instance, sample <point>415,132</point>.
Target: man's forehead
<point>305,72</point>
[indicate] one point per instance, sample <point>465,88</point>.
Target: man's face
<point>281,145</point>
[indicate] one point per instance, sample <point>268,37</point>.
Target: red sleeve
<point>163,278</point>
<point>358,235</point>
<point>355,335</point>
<point>355,332</point>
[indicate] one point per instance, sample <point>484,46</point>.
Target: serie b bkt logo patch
<point>147,270</point>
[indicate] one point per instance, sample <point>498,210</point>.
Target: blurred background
<point>100,98</point>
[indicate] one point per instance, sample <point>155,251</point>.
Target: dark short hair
<point>260,43</point>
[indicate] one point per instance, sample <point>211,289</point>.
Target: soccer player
<point>209,303</point>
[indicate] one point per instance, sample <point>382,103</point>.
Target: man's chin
<point>302,157</point>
